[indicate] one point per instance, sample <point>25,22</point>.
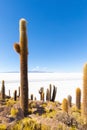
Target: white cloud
<point>37,68</point>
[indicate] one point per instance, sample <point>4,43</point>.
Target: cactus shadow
<point>40,110</point>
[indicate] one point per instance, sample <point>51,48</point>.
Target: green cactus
<point>84,105</point>
<point>69,101</point>
<point>15,95</point>
<point>47,95</point>
<point>78,98</point>
<point>54,93</point>
<point>65,105</point>
<point>3,91</point>
<point>22,49</point>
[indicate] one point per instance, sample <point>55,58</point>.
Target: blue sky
<point>57,34</point>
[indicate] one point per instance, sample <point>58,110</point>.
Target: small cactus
<point>9,94</point>
<point>78,98</point>
<point>22,50</point>
<point>15,95</point>
<point>47,95</point>
<point>41,91</point>
<point>54,93</point>
<point>84,105</point>
<point>42,96</point>
<point>19,91</point>
<point>31,96</point>
<point>65,105</point>
<point>35,98</point>
<point>3,91</point>
<point>69,101</point>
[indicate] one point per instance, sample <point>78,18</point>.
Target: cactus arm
<point>17,47</point>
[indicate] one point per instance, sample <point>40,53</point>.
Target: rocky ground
<point>45,113</point>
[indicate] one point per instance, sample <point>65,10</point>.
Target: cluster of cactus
<point>22,50</point>
<point>78,98</point>
<point>3,90</point>
<point>15,95</point>
<point>84,105</point>
<point>41,92</point>
<point>69,101</point>
<point>49,95</point>
<point>65,105</point>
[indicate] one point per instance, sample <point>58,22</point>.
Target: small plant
<point>2,127</point>
<point>10,102</point>
<point>14,112</point>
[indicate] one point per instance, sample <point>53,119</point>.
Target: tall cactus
<point>50,89</point>
<point>47,95</point>
<point>3,91</point>
<point>15,95</point>
<point>41,92</point>
<point>18,91</point>
<point>69,100</point>
<point>84,107</point>
<point>65,105</point>
<point>54,93</point>
<point>78,98</point>
<point>31,96</point>
<point>22,49</point>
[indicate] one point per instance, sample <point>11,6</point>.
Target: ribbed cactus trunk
<point>78,98</point>
<point>22,49</point>
<point>84,106</point>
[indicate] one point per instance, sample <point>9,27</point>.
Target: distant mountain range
<point>28,72</point>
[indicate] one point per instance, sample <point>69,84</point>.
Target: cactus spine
<point>15,95</point>
<point>22,49</point>
<point>78,98</point>
<point>65,105</point>
<point>84,107</point>
<point>69,101</point>
<point>3,91</point>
